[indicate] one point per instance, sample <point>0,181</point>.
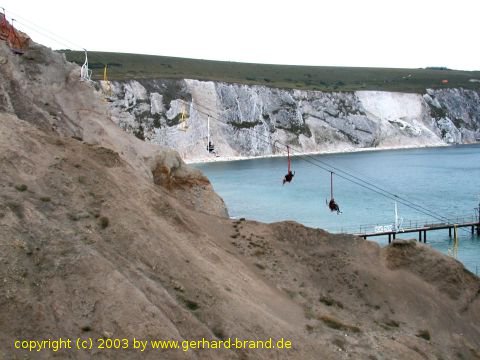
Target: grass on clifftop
<point>324,78</point>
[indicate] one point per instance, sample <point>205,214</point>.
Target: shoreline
<point>313,153</point>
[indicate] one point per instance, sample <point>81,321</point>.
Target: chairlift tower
<point>396,217</point>
<point>85,72</point>
<point>398,220</point>
<point>183,119</point>
<point>106,83</point>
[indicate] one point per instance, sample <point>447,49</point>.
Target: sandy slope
<point>102,236</point>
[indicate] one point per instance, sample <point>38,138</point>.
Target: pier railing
<point>409,225</point>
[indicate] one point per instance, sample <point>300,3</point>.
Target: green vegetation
<point>104,222</point>
<point>245,124</point>
<point>16,208</point>
<point>330,302</point>
<point>192,305</point>
<point>424,334</point>
<point>21,187</point>
<point>338,325</point>
<point>323,78</point>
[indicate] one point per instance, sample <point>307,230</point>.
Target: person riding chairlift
<point>211,147</point>
<point>288,177</point>
<point>334,206</point>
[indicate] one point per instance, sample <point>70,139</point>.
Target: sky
<point>365,33</point>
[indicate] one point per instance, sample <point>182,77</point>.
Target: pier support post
<point>478,225</point>
<point>389,238</point>
<point>424,236</point>
<point>449,232</point>
<point>420,236</point>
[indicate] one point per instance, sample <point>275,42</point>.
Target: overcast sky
<point>377,33</point>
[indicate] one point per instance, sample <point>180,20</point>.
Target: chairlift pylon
<point>183,120</point>
<point>108,90</point>
<point>85,72</point>
<point>398,220</point>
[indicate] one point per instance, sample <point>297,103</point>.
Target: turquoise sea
<point>430,184</point>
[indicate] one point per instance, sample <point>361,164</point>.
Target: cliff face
<point>249,120</point>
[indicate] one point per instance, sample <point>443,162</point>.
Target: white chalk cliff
<point>253,120</point>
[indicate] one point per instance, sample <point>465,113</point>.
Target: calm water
<point>444,181</point>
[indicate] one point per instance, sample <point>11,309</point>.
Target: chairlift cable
<point>347,175</point>
<point>314,161</point>
<point>331,185</point>
<point>288,157</point>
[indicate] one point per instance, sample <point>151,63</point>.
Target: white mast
<point>85,72</point>
<point>396,217</point>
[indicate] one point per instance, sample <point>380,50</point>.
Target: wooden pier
<point>423,229</point>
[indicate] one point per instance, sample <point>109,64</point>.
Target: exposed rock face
<point>42,88</point>
<point>456,113</point>
<point>187,184</point>
<point>250,120</point>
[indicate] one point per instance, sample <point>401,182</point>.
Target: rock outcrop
<point>42,88</point>
<point>252,120</point>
